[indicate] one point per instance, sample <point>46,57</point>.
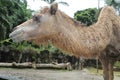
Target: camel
<point>100,40</point>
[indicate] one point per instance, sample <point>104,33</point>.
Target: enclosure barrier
<point>37,66</point>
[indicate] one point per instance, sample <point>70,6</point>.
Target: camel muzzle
<point>17,35</point>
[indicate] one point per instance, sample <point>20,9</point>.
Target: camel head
<point>43,25</point>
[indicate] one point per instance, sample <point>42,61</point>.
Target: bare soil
<point>38,74</point>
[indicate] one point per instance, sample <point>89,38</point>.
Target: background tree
<point>87,16</point>
<point>114,4</point>
<point>12,13</point>
<point>51,1</point>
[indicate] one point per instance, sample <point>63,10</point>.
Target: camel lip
<point>16,35</point>
<point>13,34</point>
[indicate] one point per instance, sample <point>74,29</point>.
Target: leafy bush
<point>117,64</point>
<point>88,16</point>
<point>12,13</point>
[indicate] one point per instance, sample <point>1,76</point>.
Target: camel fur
<point>95,41</point>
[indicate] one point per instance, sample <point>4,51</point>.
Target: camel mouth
<point>17,35</point>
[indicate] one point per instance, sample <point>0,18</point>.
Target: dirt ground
<point>35,74</point>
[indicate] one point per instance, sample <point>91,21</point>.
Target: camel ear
<point>53,8</point>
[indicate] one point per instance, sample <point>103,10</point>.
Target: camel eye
<point>36,18</point>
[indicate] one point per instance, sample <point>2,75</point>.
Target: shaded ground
<point>32,74</point>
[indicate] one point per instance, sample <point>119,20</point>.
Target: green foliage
<point>12,13</point>
<point>17,50</point>
<point>114,4</point>
<point>117,64</point>
<point>88,16</point>
<point>64,3</point>
<point>25,51</point>
<point>51,1</point>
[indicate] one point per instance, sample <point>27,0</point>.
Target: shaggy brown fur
<point>69,35</point>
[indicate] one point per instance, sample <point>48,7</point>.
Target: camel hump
<point>109,9</point>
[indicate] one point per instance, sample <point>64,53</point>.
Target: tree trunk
<point>38,66</point>
<point>20,57</point>
<point>97,65</point>
<point>81,63</point>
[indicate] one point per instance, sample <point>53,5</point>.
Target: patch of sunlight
<point>94,70</point>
